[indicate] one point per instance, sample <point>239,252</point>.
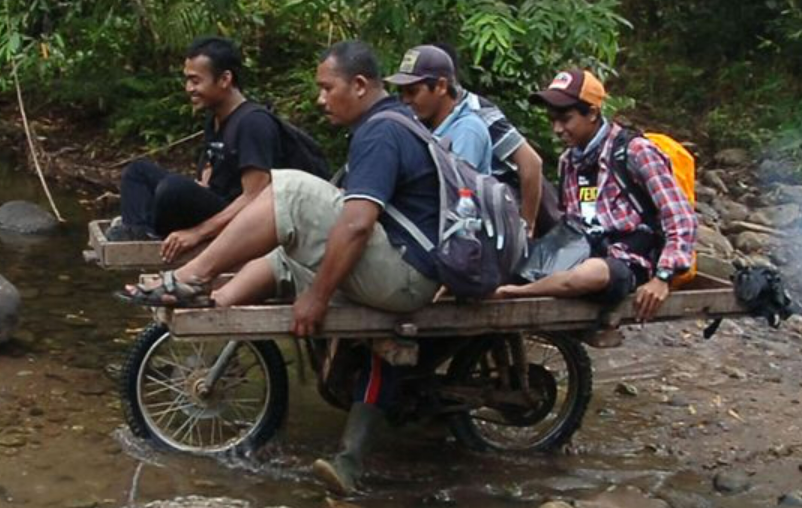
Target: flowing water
<point>63,441</point>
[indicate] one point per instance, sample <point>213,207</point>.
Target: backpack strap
<point>634,191</point>
<point>428,138</point>
<point>235,118</point>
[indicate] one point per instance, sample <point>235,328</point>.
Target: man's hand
<point>206,175</point>
<point>649,297</point>
<point>508,291</point>
<point>179,242</point>
<point>308,311</point>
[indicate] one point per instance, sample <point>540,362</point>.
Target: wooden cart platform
<point>127,255</point>
<point>707,297</point>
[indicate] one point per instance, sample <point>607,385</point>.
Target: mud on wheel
<point>560,378</point>
<point>164,399</point>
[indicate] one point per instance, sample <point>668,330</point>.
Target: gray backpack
<point>470,265</point>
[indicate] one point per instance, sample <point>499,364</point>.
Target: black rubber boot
<point>342,473</point>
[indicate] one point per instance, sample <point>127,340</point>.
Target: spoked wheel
<point>560,381</point>
<point>165,397</point>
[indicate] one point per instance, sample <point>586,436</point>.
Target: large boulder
<point>709,241</point>
<point>780,216</point>
<point>730,210</point>
<point>733,157</point>
<point>9,308</point>
<point>25,217</point>
<point>750,242</point>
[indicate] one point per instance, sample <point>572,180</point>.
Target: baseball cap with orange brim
<point>570,87</point>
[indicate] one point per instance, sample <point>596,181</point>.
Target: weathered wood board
<point>127,255</point>
<point>705,298</point>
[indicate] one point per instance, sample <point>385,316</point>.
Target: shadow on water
<point>63,441</point>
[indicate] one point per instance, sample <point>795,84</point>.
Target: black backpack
<point>298,149</point>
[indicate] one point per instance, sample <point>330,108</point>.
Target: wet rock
<point>710,241</point>
<point>734,372</point>
<point>92,389</point>
<point>26,218</point>
<point>82,503</point>
<point>512,492</point>
<point>731,482</point>
<point>791,499</point>
<point>626,389</point>
<point>789,193</point>
<point>622,497</point>
<point>778,167</point>
<point>556,504</point>
<point>679,400</point>
<point>706,194</point>
<point>679,499</point>
<point>9,308</point>
<point>36,411</point>
<point>714,180</point>
<point>443,497</point>
<point>733,157</point>
<point>706,213</point>
<point>750,242</point>
<point>15,441</point>
<point>779,216</point>
<point>730,210</point>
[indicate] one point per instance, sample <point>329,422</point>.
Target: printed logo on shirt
<point>588,192</point>
<point>561,82</point>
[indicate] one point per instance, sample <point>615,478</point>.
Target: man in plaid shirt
<point>592,193</point>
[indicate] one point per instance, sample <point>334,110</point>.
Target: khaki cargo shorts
<point>306,208</point>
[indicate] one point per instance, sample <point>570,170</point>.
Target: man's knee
<point>140,170</point>
<point>591,276</point>
<point>171,189</point>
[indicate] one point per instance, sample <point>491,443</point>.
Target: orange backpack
<point>683,166</point>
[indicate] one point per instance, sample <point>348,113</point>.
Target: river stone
<point>706,194</point>
<point>730,210</point>
<point>791,499</point>
<point>622,497</point>
<point>556,504</point>
<point>750,242</point>
<point>705,211</point>
<point>27,218</point>
<point>789,193</point>
<point>733,157</point>
<point>715,181</point>
<point>731,482</point>
<point>779,216</point>
<point>9,308</point>
<point>710,241</point>
<point>778,168</point>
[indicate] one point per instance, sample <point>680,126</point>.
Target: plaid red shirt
<point>615,212</point>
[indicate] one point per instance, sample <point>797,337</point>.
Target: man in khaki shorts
<point>324,243</point>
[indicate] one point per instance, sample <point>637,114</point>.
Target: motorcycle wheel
<point>161,402</point>
<point>559,371</point>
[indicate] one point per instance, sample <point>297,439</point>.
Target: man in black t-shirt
<point>233,170</point>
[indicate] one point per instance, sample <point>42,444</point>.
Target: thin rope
<point>28,135</point>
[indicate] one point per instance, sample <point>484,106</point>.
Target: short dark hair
<point>354,58</point>
<point>431,83</point>
<point>223,54</point>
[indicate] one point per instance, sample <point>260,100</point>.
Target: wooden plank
<point>130,255</point>
<point>446,318</point>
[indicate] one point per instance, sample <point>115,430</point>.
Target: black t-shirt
<point>387,164</point>
<point>255,144</point>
